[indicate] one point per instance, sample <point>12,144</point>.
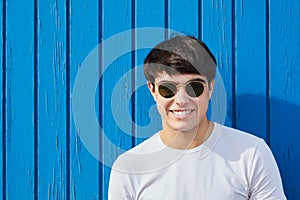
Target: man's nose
<point>181,97</point>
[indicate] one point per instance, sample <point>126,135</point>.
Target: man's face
<point>182,112</point>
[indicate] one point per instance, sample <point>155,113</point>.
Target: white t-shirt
<point>231,165</point>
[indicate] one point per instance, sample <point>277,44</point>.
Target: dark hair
<point>180,54</point>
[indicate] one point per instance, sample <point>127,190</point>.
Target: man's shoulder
<point>135,159</point>
<point>149,145</point>
<point>236,142</point>
<point>236,135</point>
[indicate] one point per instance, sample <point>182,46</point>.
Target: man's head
<point>180,74</point>
<point>181,54</point>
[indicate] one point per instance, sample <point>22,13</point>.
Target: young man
<point>192,157</point>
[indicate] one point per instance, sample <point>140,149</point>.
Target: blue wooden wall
<point>44,43</point>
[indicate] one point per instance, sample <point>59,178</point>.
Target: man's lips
<point>182,112</point>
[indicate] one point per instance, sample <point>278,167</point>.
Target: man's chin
<point>184,130</point>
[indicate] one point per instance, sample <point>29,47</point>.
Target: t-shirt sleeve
<point>265,178</point>
<point>119,186</point>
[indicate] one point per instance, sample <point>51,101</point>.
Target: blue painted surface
<point>2,97</point>
<point>183,16</point>
<point>85,175</point>
<point>285,91</point>
<point>51,98</point>
<point>19,130</point>
<point>44,44</point>
<point>251,67</point>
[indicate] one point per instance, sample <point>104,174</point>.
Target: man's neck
<point>189,139</point>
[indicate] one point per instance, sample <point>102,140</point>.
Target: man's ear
<point>211,87</point>
<point>151,88</point>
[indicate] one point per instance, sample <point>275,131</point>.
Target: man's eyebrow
<point>195,79</point>
<point>198,79</point>
<point>164,81</point>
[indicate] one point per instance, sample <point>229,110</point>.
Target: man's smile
<point>181,113</point>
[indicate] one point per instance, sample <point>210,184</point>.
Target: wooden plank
<point>147,119</point>
<point>85,179</point>
<point>52,86</point>
<point>216,25</point>
<point>285,91</point>
<point>20,100</point>
<point>117,17</point>
<point>251,92</point>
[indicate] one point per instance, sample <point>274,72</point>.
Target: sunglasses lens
<point>194,89</point>
<point>167,90</point>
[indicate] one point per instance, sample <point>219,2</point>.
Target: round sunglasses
<point>192,88</point>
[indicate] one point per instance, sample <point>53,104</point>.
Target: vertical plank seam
<point>100,69</point>
<point>68,185</point>
<point>166,15</point>
<point>200,19</point>
<point>233,57</point>
<point>35,88</point>
<point>133,56</point>
<point>268,133</point>
<point>4,99</point>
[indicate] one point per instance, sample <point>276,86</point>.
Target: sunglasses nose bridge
<point>181,97</point>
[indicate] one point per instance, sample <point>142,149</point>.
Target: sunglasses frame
<point>180,85</point>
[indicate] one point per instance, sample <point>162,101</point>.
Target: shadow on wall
<point>284,134</point>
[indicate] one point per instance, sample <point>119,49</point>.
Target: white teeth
<point>181,113</point>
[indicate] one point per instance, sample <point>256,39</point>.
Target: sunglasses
<point>192,88</point>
